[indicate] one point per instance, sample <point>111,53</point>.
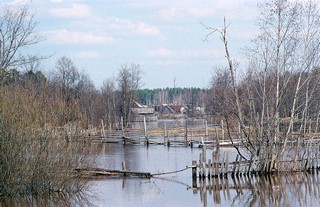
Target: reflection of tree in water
<point>299,189</point>
<point>55,199</point>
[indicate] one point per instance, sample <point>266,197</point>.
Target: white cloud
<point>149,30</point>
<point>185,54</point>
<point>140,28</point>
<point>183,12</point>
<point>57,1</point>
<point>232,9</point>
<point>14,2</point>
<point>161,53</point>
<point>73,37</point>
<point>88,54</point>
<point>75,11</point>
<point>120,24</point>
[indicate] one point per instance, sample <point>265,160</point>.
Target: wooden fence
<point>171,135</point>
<point>262,188</point>
<point>214,167</point>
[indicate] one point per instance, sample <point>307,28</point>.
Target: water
<point>300,189</point>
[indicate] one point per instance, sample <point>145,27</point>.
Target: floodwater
<point>177,189</point>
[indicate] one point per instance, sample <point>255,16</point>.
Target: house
<point>170,111</point>
<point>140,111</point>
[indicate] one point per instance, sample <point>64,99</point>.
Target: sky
<point>166,38</point>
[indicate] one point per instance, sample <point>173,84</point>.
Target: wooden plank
<point>99,172</point>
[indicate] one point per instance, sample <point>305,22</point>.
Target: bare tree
<point>129,80</point>
<point>17,32</point>
<point>279,85</point>
<point>67,77</point>
<point>88,98</point>
<point>109,102</point>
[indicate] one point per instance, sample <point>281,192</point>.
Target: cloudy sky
<point>165,37</point>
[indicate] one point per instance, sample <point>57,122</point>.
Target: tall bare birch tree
<point>279,87</point>
<point>289,35</point>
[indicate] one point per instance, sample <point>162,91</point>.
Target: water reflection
<point>299,189</point>
<point>55,199</point>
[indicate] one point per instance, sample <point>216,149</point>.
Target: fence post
<point>234,166</point>
<point>226,166</point>
<point>200,165</point>
<point>186,130</point>
<point>194,173</point>
<point>124,168</point>
<point>145,131</point>
<point>165,133</point>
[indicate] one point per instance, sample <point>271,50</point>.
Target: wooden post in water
<point>124,168</point>
<point>192,128</point>
<point>209,169</point>
<point>215,163</point>
<point>194,173</point>
<point>213,174</point>
<point>234,166</point>
<point>239,171</point>
<point>222,166</point>
<point>200,165</point>
<point>226,166</point>
<point>186,131</point>
<point>145,131</point>
<point>165,133</point>
<point>204,149</point>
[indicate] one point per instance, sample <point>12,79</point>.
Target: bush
<point>37,156</point>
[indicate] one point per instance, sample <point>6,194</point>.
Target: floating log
<point>105,173</point>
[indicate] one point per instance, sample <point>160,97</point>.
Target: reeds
<point>37,156</point>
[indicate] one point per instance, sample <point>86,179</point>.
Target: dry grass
<point>34,160</point>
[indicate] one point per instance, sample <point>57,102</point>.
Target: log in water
<point>92,173</point>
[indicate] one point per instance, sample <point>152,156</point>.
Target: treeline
<point>112,102</point>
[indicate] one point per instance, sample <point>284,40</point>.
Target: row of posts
<point>166,134</point>
<point>216,168</point>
